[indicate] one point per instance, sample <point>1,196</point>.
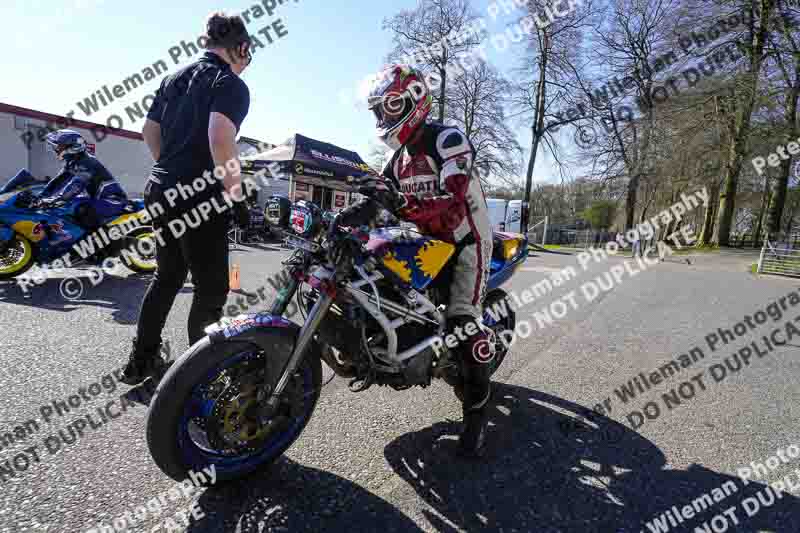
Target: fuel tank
<point>411,257</point>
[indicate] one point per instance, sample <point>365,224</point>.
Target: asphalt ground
<point>383,460</point>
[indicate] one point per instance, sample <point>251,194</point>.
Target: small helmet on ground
<point>66,143</point>
<point>401,101</point>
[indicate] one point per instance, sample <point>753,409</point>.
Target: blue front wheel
<point>206,409</point>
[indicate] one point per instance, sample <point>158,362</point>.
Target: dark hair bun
<point>225,31</point>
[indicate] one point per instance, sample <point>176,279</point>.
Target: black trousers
<point>203,251</point>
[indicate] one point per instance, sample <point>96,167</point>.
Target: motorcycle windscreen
<point>414,259</point>
<point>21,180</point>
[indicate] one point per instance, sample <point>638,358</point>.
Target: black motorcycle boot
<point>477,393</point>
<point>472,441</point>
<point>142,364</point>
<point>476,397</point>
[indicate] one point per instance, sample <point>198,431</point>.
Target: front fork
<point>304,339</point>
<point>285,295</point>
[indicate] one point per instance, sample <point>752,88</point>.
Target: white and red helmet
<point>401,101</point>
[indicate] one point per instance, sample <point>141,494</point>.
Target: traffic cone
<point>234,282</point>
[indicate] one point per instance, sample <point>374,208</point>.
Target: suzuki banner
<point>303,156</point>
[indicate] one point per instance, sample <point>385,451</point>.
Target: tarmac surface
<point>383,460</point>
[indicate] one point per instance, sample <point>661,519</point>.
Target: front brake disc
<point>233,425</point>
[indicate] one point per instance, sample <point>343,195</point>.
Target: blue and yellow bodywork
<point>510,250</point>
<point>415,260</point>
<point>49,234</point>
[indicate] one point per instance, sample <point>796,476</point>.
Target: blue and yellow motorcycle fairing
<point>35,236</point>
<point>415,260</point>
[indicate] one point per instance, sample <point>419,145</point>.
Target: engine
<point>342,331</point>
<point>417,369</point>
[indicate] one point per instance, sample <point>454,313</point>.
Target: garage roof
<point>65,122</point>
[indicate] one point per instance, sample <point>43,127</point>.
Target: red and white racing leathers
<point>446,201</point>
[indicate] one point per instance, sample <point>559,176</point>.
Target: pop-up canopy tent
<point>309,161</point>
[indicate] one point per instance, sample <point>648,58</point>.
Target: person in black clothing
<point>82,173</point>
<point>191,131</point>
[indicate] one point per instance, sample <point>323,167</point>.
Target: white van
<point>513,220</point>
<point>497,213</point>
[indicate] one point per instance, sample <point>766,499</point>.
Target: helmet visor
<point>390,110</point>
<point>56,148</point>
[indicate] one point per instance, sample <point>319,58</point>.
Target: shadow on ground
<point>555,466</point>
<point>292,497</point>
<point>120,294</point>
<point>552,466</point>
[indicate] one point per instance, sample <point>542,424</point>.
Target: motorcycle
<point>241,396</point>
<point>33,236</point>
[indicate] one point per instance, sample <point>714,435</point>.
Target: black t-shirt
<point>183,105</point>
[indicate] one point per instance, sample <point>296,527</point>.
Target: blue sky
<point>61,51</point>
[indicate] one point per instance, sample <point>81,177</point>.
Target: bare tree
<point>552,52</point>
<point>433,36</point>
<point>753,46</point>
<point>792,209</point>
<point>635,34</point>
<point>477,100</point>
<point>784,53</point>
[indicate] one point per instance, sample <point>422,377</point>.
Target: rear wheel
<point>16,257</point>
<point>139,253</point>
<point>505,320</point>
<point>205,411</point>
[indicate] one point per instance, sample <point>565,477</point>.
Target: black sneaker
<point>142,365</point>
<point>138,370</point>
<point>472,442</point>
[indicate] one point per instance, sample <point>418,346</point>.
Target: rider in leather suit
<point>82,172</point>
<point>430,182</point>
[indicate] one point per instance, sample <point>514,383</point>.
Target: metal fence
<point>780,258</point>
<point>572,238</point>
<point>746,240</point>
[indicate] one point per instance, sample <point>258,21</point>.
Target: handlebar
<point>47,205</point>
<point>343,243</point>
<point>27,200</point>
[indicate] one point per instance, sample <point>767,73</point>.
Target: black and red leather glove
<point>383,191</point>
